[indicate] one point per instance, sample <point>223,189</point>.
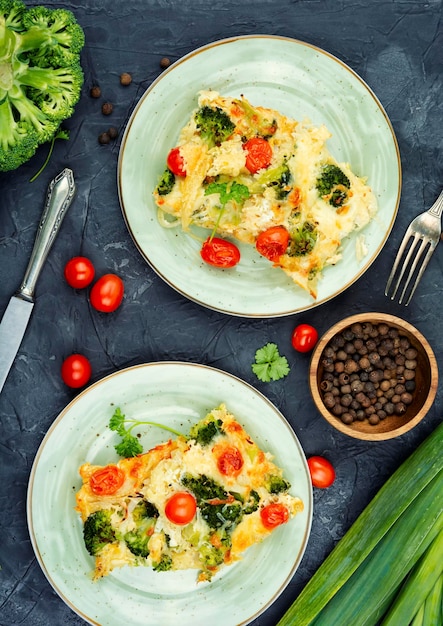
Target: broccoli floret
<point>302,240</point>
<point>40,77</point>
<point>144,516</point>
<point>277,484</point>
<point>210,556</point>
<point>166,183</point>
<point>204,431</point>
<point>333,184</point>
<point>98,531</point>
<point>217,506</point>
<point>215,125</point>
<point>278,178</point>
<point>251,503</point>
<point>164,564</point>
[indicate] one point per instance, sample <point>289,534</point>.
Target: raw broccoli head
<point>214,124</point>
<point>333,184</point>
<point>40,77</point>
<point>204,431</point>
<point>98,531</point>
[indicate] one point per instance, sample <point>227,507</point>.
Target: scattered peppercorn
<point>95,92</point>
<point>368,373</point>
<point>165,62</point>
<point>113,132</point>
<point>125,79</point>
<point>107,108</point>
<point>104,138</point>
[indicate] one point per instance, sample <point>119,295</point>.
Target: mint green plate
<point>299,80</point>
<point>176,394</point>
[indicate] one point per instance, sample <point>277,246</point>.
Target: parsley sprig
<point>130,444</point>
<point>229,191</point>
<point>269,364</point>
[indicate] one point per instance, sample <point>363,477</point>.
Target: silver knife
<point>60,193</point>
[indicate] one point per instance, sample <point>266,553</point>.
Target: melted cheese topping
<point>228,518</point>
<point>299,146</point>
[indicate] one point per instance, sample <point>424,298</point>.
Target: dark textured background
<point>396,47</point>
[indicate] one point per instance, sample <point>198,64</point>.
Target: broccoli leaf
<point>269,364</point>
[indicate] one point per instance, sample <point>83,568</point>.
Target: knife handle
<point>60,193</point>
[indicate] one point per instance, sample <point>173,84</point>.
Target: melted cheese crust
<point>301,146</point>
<point>159,473</point>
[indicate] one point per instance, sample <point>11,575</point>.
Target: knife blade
<point>15,319</point>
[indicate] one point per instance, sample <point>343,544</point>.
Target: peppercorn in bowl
<point>373,376</point>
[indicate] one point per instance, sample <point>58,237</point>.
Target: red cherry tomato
<point>79,272</point>
<point>107,293</point>
<point>176,162</point>
<point>76,371</point>
<point>258,154</point>
<point>274,515</point>
<point>230,461</point>
<point>273,242</point>
<point>219,252</point>
<point>181,508</point>
<point>107,480</point>
<point>304,338</point>
<point>322,472</point>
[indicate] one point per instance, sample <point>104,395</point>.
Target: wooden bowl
<point>426,379</point>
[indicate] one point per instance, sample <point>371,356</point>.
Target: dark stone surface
<point>395,46</point>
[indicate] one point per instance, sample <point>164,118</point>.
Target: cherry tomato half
<point>304,338</point>
<point>258,154</point>
<point>322,472</point>
<point>107,480</point>
<point>273,242</point>
<point>76,371</point>
<point>107,293</point>
<point>79,272</point>
<point>176,162</point>
<point>230,461</point>
<point>180,508</point>
<point>219,252</point>
<point>274,515</point>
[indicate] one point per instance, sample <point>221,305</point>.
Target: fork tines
<point>410,264</point>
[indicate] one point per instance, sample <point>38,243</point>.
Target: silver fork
<point>425,228</point>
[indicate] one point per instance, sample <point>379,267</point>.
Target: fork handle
<point>437,208</point>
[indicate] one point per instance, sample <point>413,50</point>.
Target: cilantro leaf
<point>130,445</point>
<point>269,364</point>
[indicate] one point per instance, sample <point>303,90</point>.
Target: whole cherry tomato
<point>76,371</point>
<point>107,293</point>
<point>304,338</point>
<point>181,508</point>
<point>274,514</point>
<point>258,154</point>
<point>322,472</point>
<point>176,162</point>
<point>219,252</point>
<point>79,272</point>
<point>107,480</point>
<point>273,242</point>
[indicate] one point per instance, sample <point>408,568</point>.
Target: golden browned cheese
<point>238,473</point>
<point>316,224</point>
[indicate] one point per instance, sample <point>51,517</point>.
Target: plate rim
<point>308,509</point>
<point>201,301</point>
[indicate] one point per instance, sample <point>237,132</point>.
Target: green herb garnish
<point>269,364</point>
<point>130,444</point>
